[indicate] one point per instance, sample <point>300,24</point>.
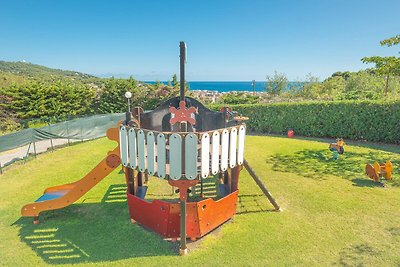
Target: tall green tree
<point>386,66</point>
<point>276,83</point>
<point>112,97</point>
<point>175,82</point>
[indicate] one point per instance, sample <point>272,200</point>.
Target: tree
<point>234,98</point>
<point>391,41</point>
<point>345,74</point>
<point>112,96</point>
<point>362,85</point>
<point>386,66</point>
<point>175,82</point>
<point>276,83</point>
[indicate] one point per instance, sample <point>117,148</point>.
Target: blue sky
<point>227,40</point>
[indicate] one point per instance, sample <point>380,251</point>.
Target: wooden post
<point>201,187</point>
<point>1,169</point>
<point>261,185</point>
<point>235,172</point>
<point>183,248</point>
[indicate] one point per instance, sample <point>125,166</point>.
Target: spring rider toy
<point>181,142</point>
<point>377,171</point>
<point>337,148</point>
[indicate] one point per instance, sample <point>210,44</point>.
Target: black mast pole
<point>183,247</point>
<point>182,47</point>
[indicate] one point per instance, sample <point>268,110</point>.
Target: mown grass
<point>333,214</point>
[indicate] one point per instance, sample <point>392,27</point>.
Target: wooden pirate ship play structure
<point>182,142</point>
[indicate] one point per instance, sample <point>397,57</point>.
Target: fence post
<point>1,169</point>
<point>27,152</point>
<point>51,139</point>
<point>81,132</point>
<point>68,118</point>
<point>34,149</point>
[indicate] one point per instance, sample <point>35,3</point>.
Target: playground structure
<point>182,142</point>
<point>377,171</point>
<point>337,148</point>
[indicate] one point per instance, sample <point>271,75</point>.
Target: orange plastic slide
<point>58,197</point>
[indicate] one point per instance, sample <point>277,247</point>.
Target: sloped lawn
<point>333,214</point>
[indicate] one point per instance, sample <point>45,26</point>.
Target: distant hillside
<point>33,70</point>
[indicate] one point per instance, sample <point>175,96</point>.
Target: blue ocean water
<point>226,86</point>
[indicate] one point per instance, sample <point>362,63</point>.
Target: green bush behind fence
<point>376,121</point>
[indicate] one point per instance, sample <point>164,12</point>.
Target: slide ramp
<point>58,197</point>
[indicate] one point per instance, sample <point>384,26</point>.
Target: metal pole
<point>261,185</point>
<point>81,134</point>
<point>128,114</point>
<point>51,140</point>
<point>254,87</point>
<point>34,149</point>
<point>68,130</point>
<point>182,56</point>
<point>27,152</point>
<point>183,248</point>
<point>183,125</point>
<point>1,169</point>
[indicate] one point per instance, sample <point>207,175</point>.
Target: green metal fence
<point>77,129</point>
<point>81,128</point>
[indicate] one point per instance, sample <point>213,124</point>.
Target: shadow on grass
<point>316,164</point>
<point>92,232</point>
<point>253,204</point>
<point>363,182</point>
<point>393,148</point>
<point>356,255</point>
<point>394,231</point>
<point>102,232</point>
<point>115,193</point>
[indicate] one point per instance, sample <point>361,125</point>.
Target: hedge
<point>376,121</point>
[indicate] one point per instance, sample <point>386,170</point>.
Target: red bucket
<point>290,133</point>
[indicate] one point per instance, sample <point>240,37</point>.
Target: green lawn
<point>333,214</point>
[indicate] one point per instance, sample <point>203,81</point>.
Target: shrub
<point>41,99</point>
<point>359,120</point>
<point>234,98</point>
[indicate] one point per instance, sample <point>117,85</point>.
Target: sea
<point>243,86</point>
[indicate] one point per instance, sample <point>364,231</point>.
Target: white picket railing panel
<point>215,152</point>
<point>232,148</point>
<point>224,149</point>
<point>123,146</point>
<point>161,156</point>
<point>205,155</point>
<point>141,151</point>
<point>240,152</point>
